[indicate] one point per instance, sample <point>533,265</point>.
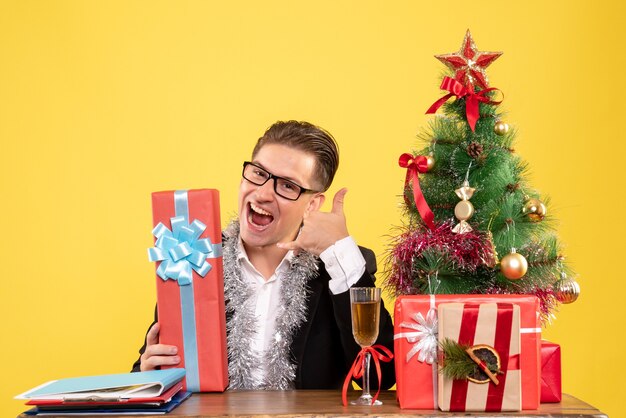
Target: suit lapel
<point>315,287</point>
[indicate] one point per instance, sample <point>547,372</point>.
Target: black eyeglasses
<point>284,188</point>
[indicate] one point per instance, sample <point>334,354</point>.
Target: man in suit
<point>287,270</point>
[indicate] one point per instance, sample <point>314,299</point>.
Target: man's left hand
<point>320,230</point>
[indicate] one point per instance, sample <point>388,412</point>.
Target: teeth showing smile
<point>258,217</point>
<point>259,210</point>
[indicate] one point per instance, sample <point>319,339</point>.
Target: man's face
<point>266,218</point>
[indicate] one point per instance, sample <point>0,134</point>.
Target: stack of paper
<point>153,392</point>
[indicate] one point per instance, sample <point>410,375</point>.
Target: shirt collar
<point>284,264</point>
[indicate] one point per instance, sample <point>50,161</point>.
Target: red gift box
<point>416,336</point>
<point>495,325</point>
<point>550,372</point>
<point>190,284</point>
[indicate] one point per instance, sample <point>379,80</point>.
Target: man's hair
<point>305,136</point>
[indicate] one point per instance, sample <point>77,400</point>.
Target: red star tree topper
<point>469,63</point>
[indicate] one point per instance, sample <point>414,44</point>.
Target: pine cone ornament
<point>475,150</point>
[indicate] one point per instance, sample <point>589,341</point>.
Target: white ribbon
<point>530,330</point>
<point>424,338</point>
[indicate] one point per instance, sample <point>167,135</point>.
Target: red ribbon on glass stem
<point>415,165</point>
<point>472,99</point>
<point>357,368</point>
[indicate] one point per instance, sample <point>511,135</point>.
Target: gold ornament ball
<point>501,128</point>
<point>430,162</point>
<point>535,210</point>
<point>464,210</point>
<point>567,290</point>
<point>513,266</point>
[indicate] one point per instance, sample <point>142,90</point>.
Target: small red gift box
<point>492,326</point>
<point>415,346</point>
<point>550,372</point>
<point>190,284</point>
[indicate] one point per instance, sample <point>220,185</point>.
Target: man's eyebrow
<point>296,182</point>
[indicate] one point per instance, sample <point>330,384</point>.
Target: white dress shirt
<point>345,265</point>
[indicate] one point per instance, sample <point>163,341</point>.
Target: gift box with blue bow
<point>190,284</point>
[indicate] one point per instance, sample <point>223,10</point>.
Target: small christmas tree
<point>474,225</point>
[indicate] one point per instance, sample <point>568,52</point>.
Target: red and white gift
<point>415,346</point>
<point>491,327</point>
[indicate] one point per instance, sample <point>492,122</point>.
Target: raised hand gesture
<point>320,229</point>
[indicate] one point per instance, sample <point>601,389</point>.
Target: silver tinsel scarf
<point>242,323</point>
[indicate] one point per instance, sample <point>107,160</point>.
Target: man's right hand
<point>157,354</point>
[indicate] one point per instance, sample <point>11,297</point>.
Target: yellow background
<point>102,103</point>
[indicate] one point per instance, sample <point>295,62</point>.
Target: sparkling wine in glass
<point>365,304</point>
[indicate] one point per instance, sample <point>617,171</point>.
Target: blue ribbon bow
<point>180,251</point>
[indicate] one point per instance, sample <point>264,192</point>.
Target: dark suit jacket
<point>324,347</point>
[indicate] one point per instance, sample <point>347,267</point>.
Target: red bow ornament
<point>415,165</point>
<point>472,99</point>
<point>357,369</point>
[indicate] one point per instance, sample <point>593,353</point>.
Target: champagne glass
<point>365,304</point>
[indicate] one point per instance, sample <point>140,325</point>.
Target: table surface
<point>326,403</point>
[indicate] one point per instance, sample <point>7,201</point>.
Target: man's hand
<point>320,230</point>
<point>157,354</point>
